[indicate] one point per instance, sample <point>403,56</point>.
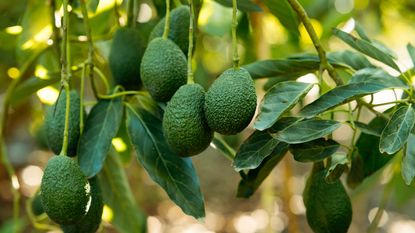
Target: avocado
<point>91,221</point>
<point>179,28</point>
<point>163,69</point>
<point>328,207</point>
<point>55,123</point>
<point>231,102</point>
<point>126,52</point>
<point>184,123</point>
<point>37,208</point>
<point>65,190</point>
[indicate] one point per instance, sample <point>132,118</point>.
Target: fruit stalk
<point>234,40</point>
<point>190,78</point>
<point>167,24</point>
<point>130,14</point>
<point>66,73</point>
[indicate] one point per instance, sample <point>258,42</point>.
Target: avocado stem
<point>130,14</point>
<point>65,74</point>
<point>190,78</point>
<point>234,39</point>
<point>167,23</point>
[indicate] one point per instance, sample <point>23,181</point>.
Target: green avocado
<point>184,122</point>
<point>231,102</point>
<point>179,28</point>
<point>328,207</point>
<point>163,69</point>
<point>91,221</point>
<point>126,52</point>
<point>37,208</point>
<point>55,123</point>
<point>65,191</point>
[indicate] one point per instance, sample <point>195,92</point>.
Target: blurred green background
<point>25,34</point>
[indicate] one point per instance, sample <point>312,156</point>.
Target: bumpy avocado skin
<point>126,52</point>
<point>37,208</point>
<point>231,102</point>
<point>163,69</point>
<point>64,193</point>
<point>179,28</point>
<point>184,122</point>
<point>55,123</point>
<point>328,207</point>
<point>91,221</point>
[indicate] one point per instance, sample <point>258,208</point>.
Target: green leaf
<point>411,52</point>
<point>366,47</point>
<point>101,126</point>
<point>397,131</point>
<point>307,130</point>
<point>254,150</point>
<point>338,165</point>
<point>356,173</point>
<point>285,14</point>
<point>355,60</point>
<point>176,175</point>
<point>363,82</point>
<point>250,183</point>
<point>118,196</point>
<point>278,100</point>
<point>365,128</point>
<point>243,5</point>
<point>30,86</point>
<point>315,150</point>
<point>361,32</point>
<point>408,161</point>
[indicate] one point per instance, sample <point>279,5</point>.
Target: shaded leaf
<point>243,5</point>
<point>101,126</point>
<point>397,131</point>
<point>117,195</point>
<point>307,130</point>
<point>365,128</point>
<point>408,161</point>
<point>366,47</point>
<point>356,173</point>
<point>176,175</point>
<point>285,14</point>
<point>355,60</point>
<point>315,150</point>
<point>338,165</point>
<point>368,148</point>
<point>278,100</point>
<point>254,150</point>
<point>249,184</point>
<point>363,82</point>
<point>411,52</point>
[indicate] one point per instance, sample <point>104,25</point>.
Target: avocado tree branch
<point>325,65</point>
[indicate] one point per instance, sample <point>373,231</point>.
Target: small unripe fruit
<point>55,123</point>
<point>184,122</point>
<point>163,69</point>
<point>65,191</point>
<point>126,52</point>
<point>231,102</point>
<point>37,207</point>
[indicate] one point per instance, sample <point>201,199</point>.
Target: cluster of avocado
<point>66,195</point>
